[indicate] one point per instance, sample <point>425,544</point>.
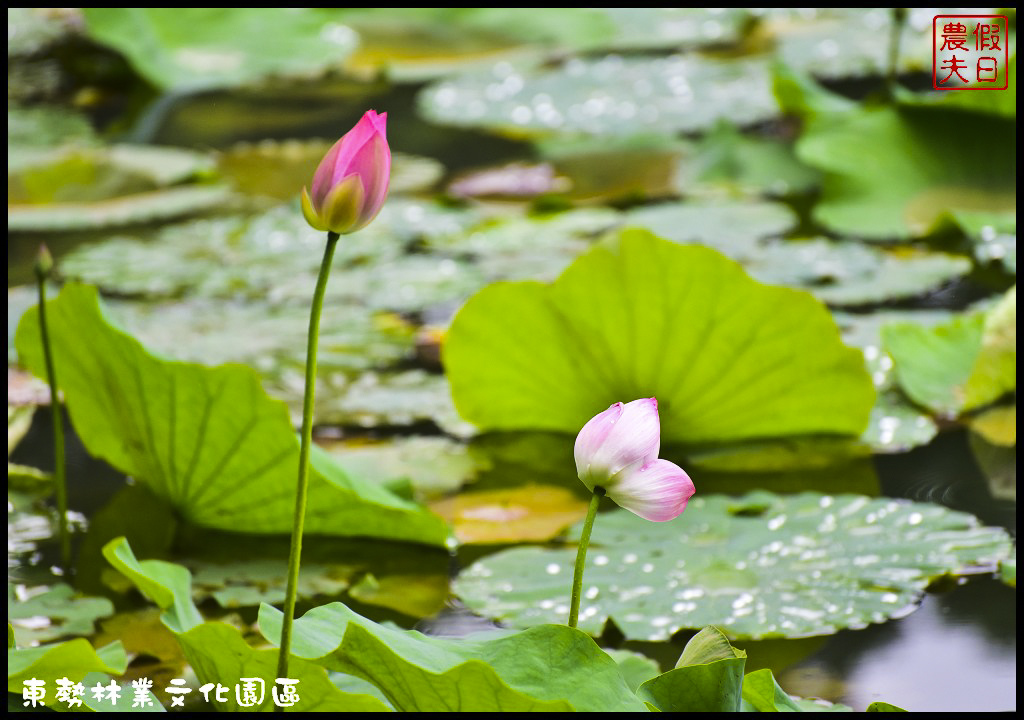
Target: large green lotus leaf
<point>197,48</point>
<point>851,274</point>
<point>892,172</point>
<point>709,687</point>
<point>761,693</point>
<point>611,95</point>
<point>708,677</point>
<point>635,667</point>
<point>65,613</point>
<point>166,584</point>
<point>727,357</point>
<point>960,365</point>
<point>208,440</point>
<point>217,651</point>
<point>763,565</point>
<point>73,659</point>
<point>731,227</point>
<point>544,668</point>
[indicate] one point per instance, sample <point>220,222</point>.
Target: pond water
<point>383,388</point>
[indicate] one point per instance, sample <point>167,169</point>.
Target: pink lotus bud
<point>618,451</point>
<point>351,182</point>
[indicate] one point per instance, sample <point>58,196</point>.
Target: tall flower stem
<point>295,555</point>
<point>581,556</point>
<point>42,269</point>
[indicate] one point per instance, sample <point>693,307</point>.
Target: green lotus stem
<point>295,555</point>
<point>898,17</point>
<point>581,556</point>
<point>44,263</point>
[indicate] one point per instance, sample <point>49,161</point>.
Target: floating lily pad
<point>532,248</point>
<point>40,617</point>
<point>196,48</point>
<point>75,188</point>
<point>991,246</point>
<point>612,95</point>
<point>274,256</point>
<point>514,180</point>
<point>865,331</point>
<point>207,440</point>
<point>846,273</point>
<point>846,42</point>
<point>669,28</point>
<point>410,580</point>
<point>529,513</point>
<point>247,584</point>
<point>35,127</point>
<point>276,169</point>
<point>88,174</point>
<point>961,365</point>
<point>727,357</point>
<point>157,206</point>
<point>409,283</point>
<point>267,336</point>
<point>615,169</point>
<point>727,163</point>
<point>421,44</point>
<point>997,425</point>
<point>432,465</point>
<point>1008,569</point>
<point>32,30</point>
<point>896,426</point>
<point>19,420</point>
<point>891,172</point>
<point>1002,103</point>
<point>733,228</point>
<point>759,566</point>
<point>141,632</point>
<point>376,399</point>
<point>997,459</point>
